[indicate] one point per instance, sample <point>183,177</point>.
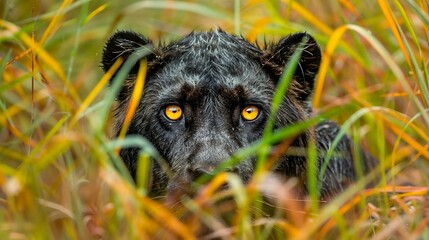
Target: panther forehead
<point>213,41</point>
<point>211,59</point>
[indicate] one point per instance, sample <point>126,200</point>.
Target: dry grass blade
<point>97,89</point>
<point>54,22</point>
<point>94,13</point>
<point>326,60</point>
<point>325,29</point>
<point>43,54</point>
<point>390,19</point>
<point>135,98</point>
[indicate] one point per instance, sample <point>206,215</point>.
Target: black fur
<point>212,76</point>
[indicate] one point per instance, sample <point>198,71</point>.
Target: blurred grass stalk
<point>59,169</point>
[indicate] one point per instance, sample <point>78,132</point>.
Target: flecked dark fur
<point>212,76</point>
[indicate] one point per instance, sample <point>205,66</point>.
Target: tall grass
<point>61,177</point>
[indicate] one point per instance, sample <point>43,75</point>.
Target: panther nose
<point>197,172</point>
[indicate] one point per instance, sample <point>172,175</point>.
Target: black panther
<point>209,94</point>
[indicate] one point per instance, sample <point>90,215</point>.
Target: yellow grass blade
<point>135,97</point>
<point>409,25</point>
<point>326,60</point>
<point>94,13</point>
<point>257,28</point>
<point>17,133</point>
<point>11,111</point>
<point>334,41</point>
<point>164,216</point>
<point>411,141</point>
<point>11,154</point>
<point>307,15</point>
<point>399,153</point>
<point>393,66</point>
<point>400,94</point>
<point>349,6</point>
<point>97,89</point>
<point>211,188</point>
<point>390,19</point>
<point>255,2</point>
<point>403,118</point>
<point>53,24</point>
<point>16,58</point>
<point>45,56</point>
<point>52,152</point>
<point>159,212</point>
<point>48,136</point>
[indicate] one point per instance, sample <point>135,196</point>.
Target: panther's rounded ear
<point>309,62</point>
<point>123,44</point>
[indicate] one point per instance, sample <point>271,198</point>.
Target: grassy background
<point>57,162</point>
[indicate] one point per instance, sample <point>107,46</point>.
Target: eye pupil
<point>173,112</point>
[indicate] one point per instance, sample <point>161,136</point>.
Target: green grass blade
<point>279,94</point>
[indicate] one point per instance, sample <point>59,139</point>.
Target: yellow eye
<point>250,112</point>
<point>173,112</point>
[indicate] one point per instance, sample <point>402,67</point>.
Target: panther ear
<point>308,65</point>
<point>123,44</point>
